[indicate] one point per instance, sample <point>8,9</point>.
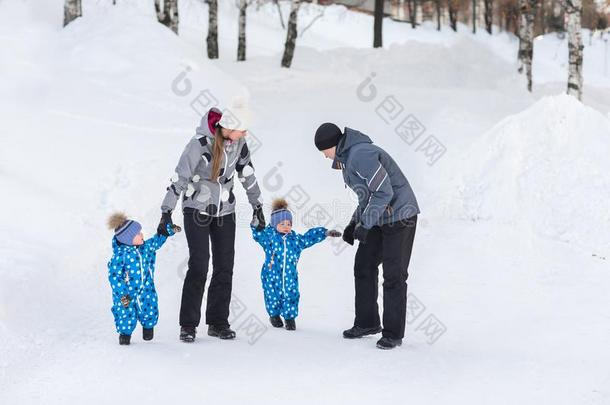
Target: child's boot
<point>124,340</point>
<point>148,334</point>
<point>291,324</point>
<point>276,322</point>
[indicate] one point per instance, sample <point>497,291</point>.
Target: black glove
<point>361,233</point>
<point>348,233</point>
<point>166,218</point>
<point>176,228</point>
<point>125,300</point>
<point>333,234</point>
<point>258,218</point>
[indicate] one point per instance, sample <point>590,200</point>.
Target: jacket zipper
<point>284,268</point>
<point>141,280</point>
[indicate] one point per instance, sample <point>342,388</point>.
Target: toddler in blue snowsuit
<point>283,248</point>
<point>131,274</point>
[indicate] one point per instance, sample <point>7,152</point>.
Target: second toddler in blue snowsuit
<point>283,249</point>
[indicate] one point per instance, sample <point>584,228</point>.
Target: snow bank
<point>547,167</point>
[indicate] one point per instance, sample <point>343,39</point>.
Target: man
<point>384,222</point>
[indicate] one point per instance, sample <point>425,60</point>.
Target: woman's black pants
<point>200,230</point>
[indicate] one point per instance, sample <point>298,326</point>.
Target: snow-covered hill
<point>93,118</point>
<point>547,167</point>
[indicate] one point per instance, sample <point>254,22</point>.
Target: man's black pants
<point>391,246</point>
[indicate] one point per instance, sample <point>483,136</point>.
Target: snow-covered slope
<point>93,118</point>
<point>547,167</point>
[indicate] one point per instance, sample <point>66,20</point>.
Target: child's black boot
<point>291,324</point>
<point>276,322</point>
<point>148,334</point>
<point>124,340</point>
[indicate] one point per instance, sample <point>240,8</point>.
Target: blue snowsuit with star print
<point>279,273</point>
<point>131,272</point>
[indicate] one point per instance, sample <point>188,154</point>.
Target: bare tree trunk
<point>526,38</point>
<point>173,15</point>
<point>378,24</point>
<point>573,9</point>
<point>158,10</point>
<point>162,13</point>
<point>400,10</point>
<point>72,10</point>
<point>412,7</point>
<point>438,14</point>
<point>212,39</point>
<point>169,15</point>
<point>291,35</point>
<point>453,14</point>
<point>241,37</point>
<point>488,15</point>
<point>474,16</point>
<point>279,10</point>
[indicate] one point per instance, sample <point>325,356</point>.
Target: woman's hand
<point>258,218</point>
<point>166,219</point>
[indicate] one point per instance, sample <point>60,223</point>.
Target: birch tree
<point>474,16</point>
<point>412,7</point>
<point>453,6</point>
<point>241,36</point>
<point>439,11</point>
<point>72,10</point>
<point>291,35</point>
<point>488,14</point>
<point>168,16</point>
<point>212,38</point>
<point>573,9</point>
<point>527,9</point>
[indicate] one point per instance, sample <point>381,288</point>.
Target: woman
<point>204,176</point>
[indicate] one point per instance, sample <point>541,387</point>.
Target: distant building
<point>397,9</point>
<point>367,6</point>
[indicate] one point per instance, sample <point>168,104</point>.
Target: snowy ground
<point>510,268</point>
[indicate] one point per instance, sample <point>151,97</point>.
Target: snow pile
<point>547,166</point>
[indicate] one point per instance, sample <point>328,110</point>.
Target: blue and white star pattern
<point>279,273</point>
<point>131,272</point>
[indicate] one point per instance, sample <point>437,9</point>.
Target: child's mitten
<point>333,233</point>
<point>176,228</point>
<point>125,300</point>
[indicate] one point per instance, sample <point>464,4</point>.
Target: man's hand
<point>348,233</point>
<point>361,233</point>
<point>125,300</point>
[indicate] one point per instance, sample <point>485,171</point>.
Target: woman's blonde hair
<point>219,143</point>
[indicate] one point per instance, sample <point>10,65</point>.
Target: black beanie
<point>327,136</point>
